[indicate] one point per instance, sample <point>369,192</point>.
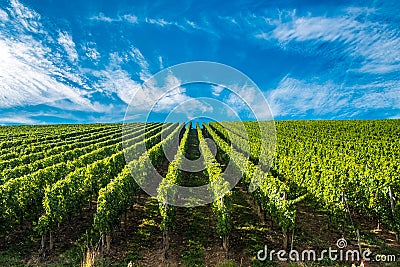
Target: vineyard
<point>70,194</point>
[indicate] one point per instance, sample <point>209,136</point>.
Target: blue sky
<point>70,61</point>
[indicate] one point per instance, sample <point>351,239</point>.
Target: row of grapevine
<point>68,195</point>
<point>220,190</point>
<point>355,170</point>
<point>21,198</point>
<point>48,149</point>
<point>46,139</point>
<point>271,192</point>
<point>81,149</point>
<point>118,195</point>
<point>259,137</point>
<point>47,130</point>
<point>38,147</point>
<point>165,192</point>
<point>55,149</point>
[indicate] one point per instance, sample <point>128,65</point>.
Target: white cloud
<point>172,82</point>
<point>103,18</point>
<point>26,77</point>
<point>160,22</point>
<point>161,94</point>
<point>65,40</point>
<point>133,55</point>
<point>160,62</point>
<point>294,97</point>
<point>376,43</point>
<point>165,93</point>
<point>236,102</point>
<point>35,117</point>
<point>204,26</point>
<point>144,65</point>
<point>316,28</point>
<point>32,73</point>
<point>243,99</point>
<point>263,35</point>
<point>130,18</point>
<point>191,24</point>
<point>186,25</point>
<point>117,81</point>
<point>388,99</point>
<point>356,10</point>
<point>91,52</point>
<point>191,108</point>
<point>34,70</point>
<point>27,19</point>
<point>3,15</point>
<point>171,99</point>
<point>217,90</point>
<point>17,119</point>
<point>248,98</point>
<point>114,79</point>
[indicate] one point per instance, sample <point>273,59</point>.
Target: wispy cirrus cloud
<point>248,99</point>
<point>17,119</point>
<point>293,97</point>
<point>101,17</point>
<point>192,24</point>
<point>26,77</point>
<point>130,18</point>
<point>28,19</point>
<point>91,52</point>
<point>160,95</point>
<point>300,98</point>
<point>3,15</point>
<point>133,19</point>
<point>65,40</point>
<point>375,44</point>
<point>183,24</point>
<point>160,22</point>
<point>192,108</point>
<point>378,95</point>
<point>117,81</point>
<point>32,72</point>
<point>142,62</point>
